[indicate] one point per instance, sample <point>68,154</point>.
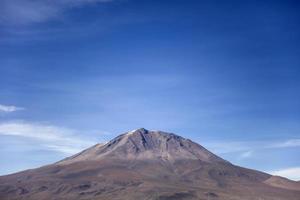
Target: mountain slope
<point>144,164</point>
<point>142,144</point>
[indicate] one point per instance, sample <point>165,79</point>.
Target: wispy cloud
<point>242,148</point>
<point>247,154</point>
<point>287,143</point>
<point>221,147</point>
<point>8,109</point>
<point>291,173</point>
<point>50,137</point>
<point>246,148</point>
<point>31,11</point>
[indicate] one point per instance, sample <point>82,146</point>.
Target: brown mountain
<point>148,165</point>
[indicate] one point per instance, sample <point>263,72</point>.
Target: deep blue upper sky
<point>224,74</point>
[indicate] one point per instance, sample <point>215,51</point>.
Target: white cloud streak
<point>32,11</point>
<point>290,173</point>
<point>231,146</point>
<point>50,137</point>
<point>287,143</point>
<point>245,147</point>
<point>247,154</point>
<point>9,109</point>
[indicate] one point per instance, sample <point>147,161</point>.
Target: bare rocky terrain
<point>149,165</point>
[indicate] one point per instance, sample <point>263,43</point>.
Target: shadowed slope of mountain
<point>144,164</point>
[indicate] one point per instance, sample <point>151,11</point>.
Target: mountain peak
<point>138,131</point>
<point>150,145</point>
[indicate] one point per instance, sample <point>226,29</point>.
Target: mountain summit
<point>143,164</point>
<point>142,144</point>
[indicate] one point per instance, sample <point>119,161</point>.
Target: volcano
<point>150,165</point>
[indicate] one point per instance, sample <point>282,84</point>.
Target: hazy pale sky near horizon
<point>224,74</point>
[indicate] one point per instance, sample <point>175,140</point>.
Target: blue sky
<point>224,74</point>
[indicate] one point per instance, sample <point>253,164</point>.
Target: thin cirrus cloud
<point>287,143</point>
<point>31,11</point>
<point>9,109</point>
<point>221,147</point>
<point>50,137</point>
<point>290,173</point>
<point>247,154</point>
<point>247,148</point>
